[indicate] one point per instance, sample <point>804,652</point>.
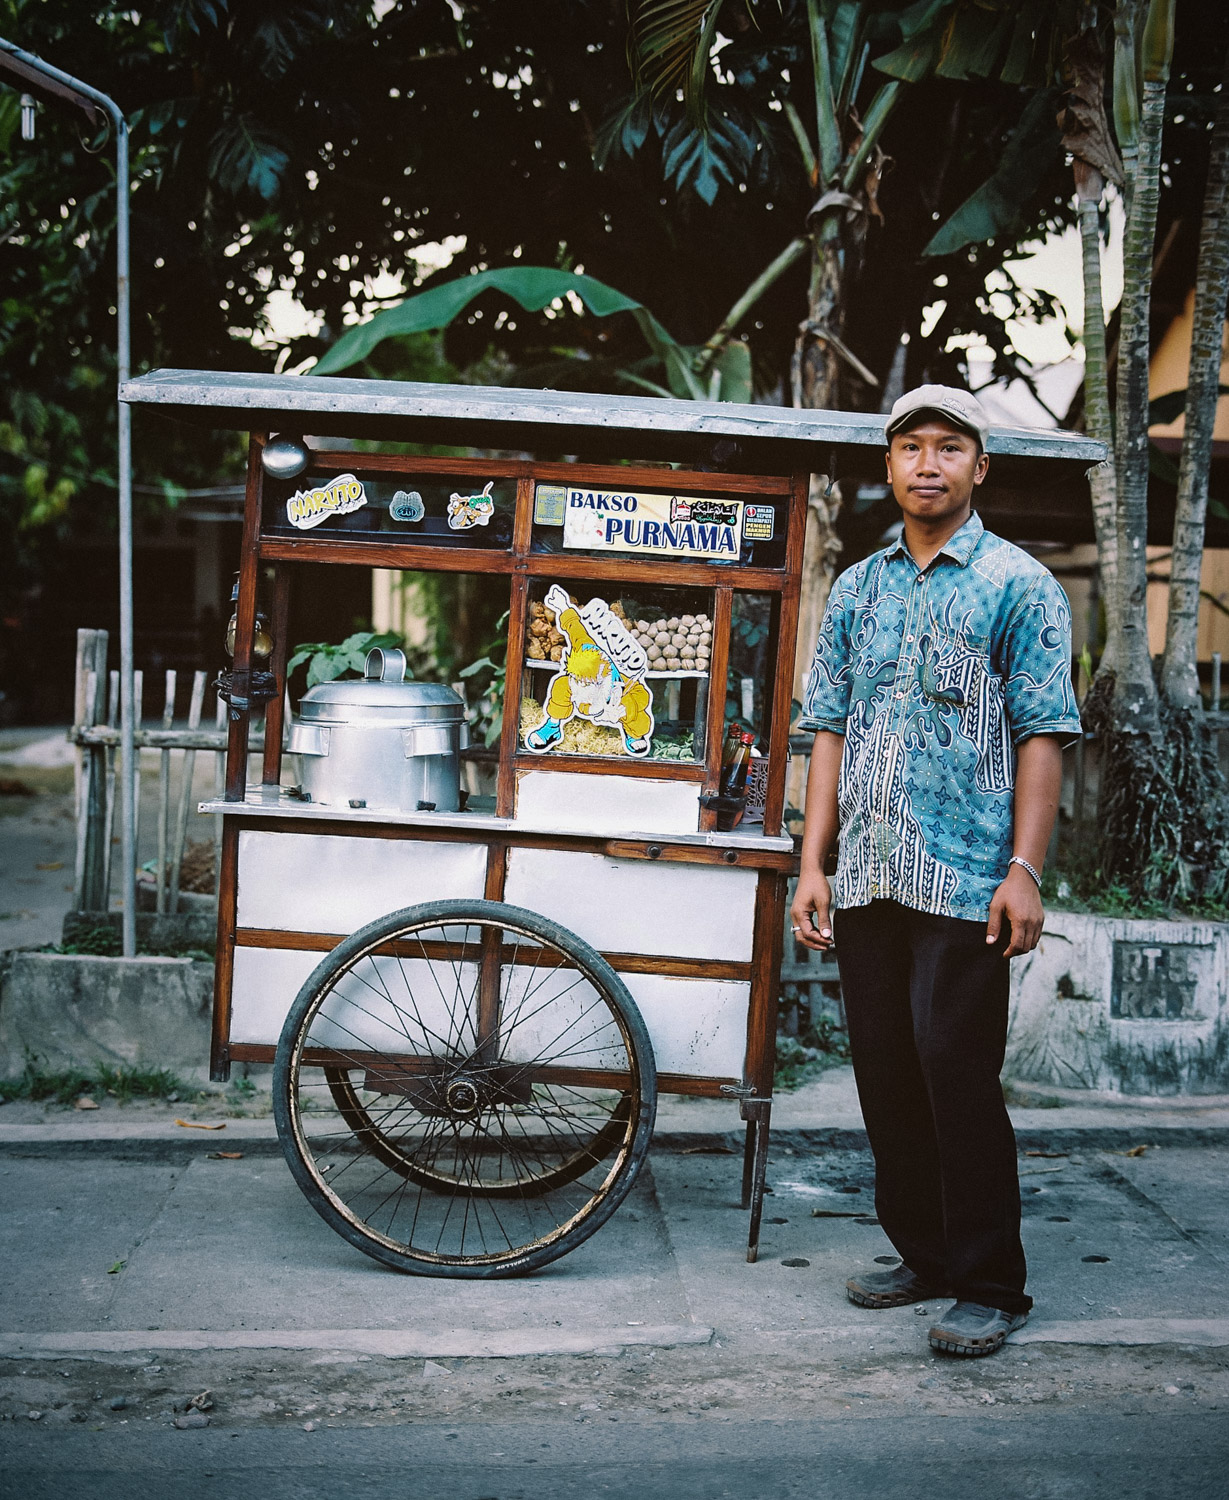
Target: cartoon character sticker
<point>601,677</point>
<point>465,511</point>
<point>406,507</point>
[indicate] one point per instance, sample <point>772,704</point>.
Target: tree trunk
<point>1097,409</point>
<point>1135,707</point>
<point>816,372</point>
<point>1180,673</point>
<point>1126,90</point>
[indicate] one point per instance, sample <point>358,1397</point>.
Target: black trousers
<point>926,1004</point>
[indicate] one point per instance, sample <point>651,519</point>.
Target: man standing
<point>941,697</point>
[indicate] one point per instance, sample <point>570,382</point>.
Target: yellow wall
<point>1171,363</point>
<point>1213,624</point>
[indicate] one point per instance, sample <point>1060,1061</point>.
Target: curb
<point>260,1138</point>
<point>453,1343</point>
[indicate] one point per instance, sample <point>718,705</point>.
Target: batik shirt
<point>934,676</point>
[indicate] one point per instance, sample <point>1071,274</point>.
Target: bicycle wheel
<point>464,1088</point>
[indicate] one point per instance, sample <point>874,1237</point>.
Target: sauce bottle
<point>734,772</point>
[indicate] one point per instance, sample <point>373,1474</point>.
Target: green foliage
<point>821,1045</point>
<point>1162,834</point>
<point>64,1085</point>
<point>489,673</point>
<point>103,940</point>
<point>998,206</point>
<point>326,661</point>
<point>535,288</point>
<point>1170,406</point>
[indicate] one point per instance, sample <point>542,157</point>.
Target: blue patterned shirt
<point>934,677</point>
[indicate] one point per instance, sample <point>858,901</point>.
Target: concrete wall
<point>69,1010</point>
<point>1120,1006</point>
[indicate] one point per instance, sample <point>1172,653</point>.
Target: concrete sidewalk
<point>122,1235</point>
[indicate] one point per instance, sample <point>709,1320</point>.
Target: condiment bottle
<point>734,774</point>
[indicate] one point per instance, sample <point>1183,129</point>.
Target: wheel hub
<point>462,1096</point>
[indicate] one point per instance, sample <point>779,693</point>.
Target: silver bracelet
<point>1016,860</point>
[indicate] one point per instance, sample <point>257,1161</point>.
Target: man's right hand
<point>811,912</point>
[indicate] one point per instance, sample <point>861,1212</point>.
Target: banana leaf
<point>1168,408</point>
<point>536,287</point>
<point>995,207</point>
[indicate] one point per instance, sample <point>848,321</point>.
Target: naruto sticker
<point>601,677</point>
<point>406,508</point>
<point>659,525</point>
<point>308,508</point>
<point>465,511</point>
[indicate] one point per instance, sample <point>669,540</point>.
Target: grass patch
<point>104,940</point>
<point>1080,886</point>
<point>101,940</point>
<point>66,1085</point>
<point>1026,1097</point>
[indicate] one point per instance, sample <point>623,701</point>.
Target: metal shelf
<point>533,661</point>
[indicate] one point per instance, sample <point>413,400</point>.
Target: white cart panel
<point>389,1004</point>
<point>632,906</point>
<point>265,982</point>
<point>314,882</point>
<point>580,802</point>
<point>698,1026</point>
<point>558,1017</point>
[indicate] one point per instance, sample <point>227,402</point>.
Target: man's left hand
<point>1019,902</point>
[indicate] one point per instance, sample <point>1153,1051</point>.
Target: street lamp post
<point>24,69</point>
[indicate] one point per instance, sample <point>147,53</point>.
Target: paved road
<point>1104,1455</point>
<point>653,1361</point>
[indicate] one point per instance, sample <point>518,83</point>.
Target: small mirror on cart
<point>623,674</point>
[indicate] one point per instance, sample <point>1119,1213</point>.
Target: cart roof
<point>774,439</point>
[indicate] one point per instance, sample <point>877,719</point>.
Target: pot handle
<point>427,739</point>
<point>384,664</point>
<point>309,739</point>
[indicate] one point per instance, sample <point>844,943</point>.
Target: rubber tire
<point>384,929</point>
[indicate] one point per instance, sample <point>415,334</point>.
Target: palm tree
<point>835,100</point>
<point>1163,813</point>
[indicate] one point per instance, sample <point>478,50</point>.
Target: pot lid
<point>383,686</point>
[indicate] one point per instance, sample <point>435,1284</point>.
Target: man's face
<point>933,468</point>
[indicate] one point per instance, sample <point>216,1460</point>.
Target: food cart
<point>472,1005</point>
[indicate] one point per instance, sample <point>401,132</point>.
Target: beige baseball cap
<point>963,408</point>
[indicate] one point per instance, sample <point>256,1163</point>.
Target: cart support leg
<point>759,1112</point>
<point>748,1163</point>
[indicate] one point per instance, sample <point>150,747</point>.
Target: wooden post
<point>91,884</point>
<point>714,737</point>
<point>219,788</point>
<point>112,754</point>
<point>275,708</point>
<point>133,772</point>
<point>164,796</point>
<point>239,719</point>
<point>185,792</point>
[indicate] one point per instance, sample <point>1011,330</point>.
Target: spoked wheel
<point>464,1088</point>
<point>442,1174</point>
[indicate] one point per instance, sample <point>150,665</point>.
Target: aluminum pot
<point>382,743</point>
